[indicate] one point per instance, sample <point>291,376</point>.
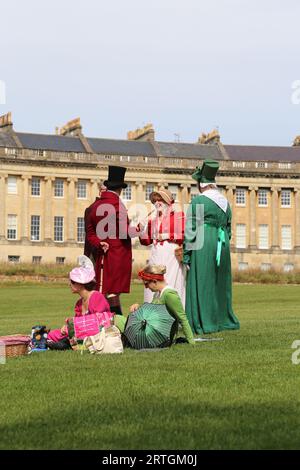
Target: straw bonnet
<point>164,194</point>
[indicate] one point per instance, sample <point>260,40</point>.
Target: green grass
<point>240,393</point>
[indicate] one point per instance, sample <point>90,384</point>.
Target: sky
<point>186,66</point>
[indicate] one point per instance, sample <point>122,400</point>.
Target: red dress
<point>108,222</point>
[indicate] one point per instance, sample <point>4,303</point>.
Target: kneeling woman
<point>82,283</point>
<point>153,278</point>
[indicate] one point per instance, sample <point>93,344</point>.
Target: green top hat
<point>207,173</point>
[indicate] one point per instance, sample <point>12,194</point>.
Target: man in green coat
<point>207,256</point>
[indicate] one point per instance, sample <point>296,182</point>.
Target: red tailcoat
<point>171,227</point>
<point>108,222</point>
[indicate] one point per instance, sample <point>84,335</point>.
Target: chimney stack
<point>72,128</point>
<point>147,133</point>
<point>6,123</point>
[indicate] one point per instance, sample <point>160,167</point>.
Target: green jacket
<point>170,298</point>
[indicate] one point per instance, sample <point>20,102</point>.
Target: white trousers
<point>175,274</point>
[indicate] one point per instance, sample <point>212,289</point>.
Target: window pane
<point>59,188</point>
<point>240,197</point>
<point>58,229</point>
<point>263,242</point>
<point>35,227</point>
<point>81,189</point>
<point>13,259</point>
<point>173,188</point>
<point>286,237</point>
<point>262,197</point>
<point>11,227</point>
<point>241,235</point>
<point>60,260</point>
<point>35,187</point>
<point>285,197</point>
<point>126,193</point>
<point>36,259</point>
<point>194,191</point>
<point>149,190</point>
<point>80,229</point>
<point>12,187</point>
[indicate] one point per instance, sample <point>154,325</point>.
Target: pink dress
<point>97,304</point>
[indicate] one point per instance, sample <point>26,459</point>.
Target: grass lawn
<point>240,393</point>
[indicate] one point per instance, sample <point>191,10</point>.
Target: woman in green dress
<point>207,256</point>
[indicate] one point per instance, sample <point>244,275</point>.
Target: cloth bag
<point>107,341</point>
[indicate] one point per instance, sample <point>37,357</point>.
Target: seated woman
<point>153,278</point>
<point>83,283</point>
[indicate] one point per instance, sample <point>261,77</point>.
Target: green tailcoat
<point>209,284</point>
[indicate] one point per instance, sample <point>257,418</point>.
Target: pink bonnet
<point>82,275</point>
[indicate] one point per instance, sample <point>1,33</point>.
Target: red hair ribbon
<point>150,277</point>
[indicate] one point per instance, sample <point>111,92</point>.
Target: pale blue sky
<point>184,65</point>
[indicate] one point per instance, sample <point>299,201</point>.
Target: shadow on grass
<point>153,423</point>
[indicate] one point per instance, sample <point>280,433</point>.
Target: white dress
<point>164,253</point>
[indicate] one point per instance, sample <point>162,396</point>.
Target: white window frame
<point>194,191</point>
<point>127,193</point>
<point>34,180</point>
<point>10,186</point>
<point>240,238</point>
<point>238,193</point>
<point>283,194</point>
<point>56,228</point>
<point>80,230</point>
<point>286,242</point>
<point>12,226</point>
<point>263,238</point>
<point>174,193</point>
<point>38,217</point>
<point>62,187</point>
<point>149,189</point>
<point>243,266</point>
<point>80,185</point>
<point>17,260</point>
<point>260,192</point>
<point>288,267</point>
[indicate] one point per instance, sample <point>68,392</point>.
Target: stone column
<point>275,217</point>
<point>95,189</point>
<point>297,219</point>
<point>184,195</point>
<point>229,194</point>
<point>3,206</point>
<point>140,196</point>
<point>25,208</point>
<point>48,219</point>
<point>71,226</point>
<point>252,218</point>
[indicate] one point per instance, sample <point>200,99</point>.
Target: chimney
<point>296,142</point>
<point>72,128</point>
<point>147,133</point>
<point>6,123</point>
<point>212,137</point>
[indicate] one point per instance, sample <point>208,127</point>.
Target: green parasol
<point>149,327</point>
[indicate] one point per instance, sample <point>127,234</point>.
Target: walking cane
<point>101,273</point>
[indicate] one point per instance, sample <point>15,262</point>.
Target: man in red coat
<point>108,234</point>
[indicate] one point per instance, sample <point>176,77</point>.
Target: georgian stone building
<point>47,181</point>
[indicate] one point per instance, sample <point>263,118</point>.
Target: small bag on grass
<point>107,341</point>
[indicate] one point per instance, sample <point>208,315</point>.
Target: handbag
<point>107,341</point>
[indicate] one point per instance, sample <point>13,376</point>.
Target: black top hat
<point>116,176</point>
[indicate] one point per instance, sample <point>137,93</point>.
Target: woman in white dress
<point>165,234</point>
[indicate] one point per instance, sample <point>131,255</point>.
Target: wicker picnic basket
<point>15,345</point>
